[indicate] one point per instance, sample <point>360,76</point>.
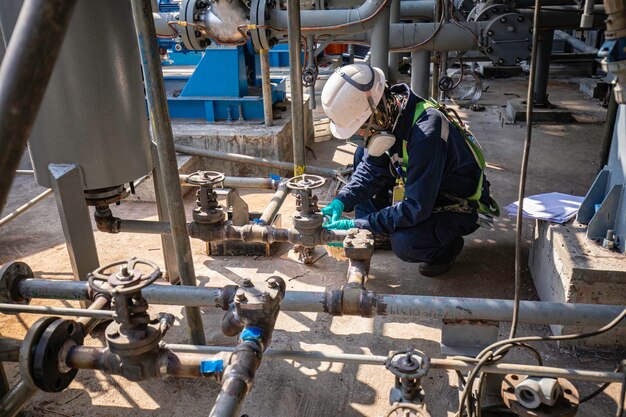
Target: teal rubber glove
<point>344,224</point>
<point>333,210</point>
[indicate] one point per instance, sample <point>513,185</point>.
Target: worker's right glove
<point>343,224</point>
<point>333,210</point>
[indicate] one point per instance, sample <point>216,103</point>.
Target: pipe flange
<point>408,364</point>
<point>305,182</point>
<point>10,274</point>
<point>192,38</point>
<point>508,39</point>
<point>50,372</point>
<point>407,410</point>
<point>129,279</point>
<point>205,178</point>
<point>566,406</point>
<point>482,13</point>
<point>259,14</point>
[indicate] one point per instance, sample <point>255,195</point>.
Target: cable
<point>524,169</point>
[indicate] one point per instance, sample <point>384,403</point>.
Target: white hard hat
<point>346,97</point>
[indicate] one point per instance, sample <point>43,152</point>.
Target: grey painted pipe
<point>420,73</point>
<point>575,42</point>
<point>253,160</point>
<point>275,204</point>
<point>145,226</point>
<point>344,21</point>
<point>297,95</point>
<point>411,10</point>
<point>380,41</point>
<point>162,134</point>
<point>431,307</point>
<point>435,363</point>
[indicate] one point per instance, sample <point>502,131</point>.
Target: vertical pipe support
<point>297,99</point>
<point>380,41</point>
<point>544,51</point>
<point>164,138</point>
<point>420,73</point>
<point>394,57</point>
<point>266,84</point>
<point>26,69</point>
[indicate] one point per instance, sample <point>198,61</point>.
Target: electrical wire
<point>524,169</point>
<point>600,389</point>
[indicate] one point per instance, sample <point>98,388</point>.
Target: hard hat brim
<point>345,132</point>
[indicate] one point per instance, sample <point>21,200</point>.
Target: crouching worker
<point>418,172</point>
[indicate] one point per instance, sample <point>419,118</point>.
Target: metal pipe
<point>432,307</point>
<point>413,10</point>
<point>380,41</point>
<point>240,182</point>
<point>88,323</point>
<point>24,172</point>
<point>544,50</point>
<point>575,42</point>
<point>275,204</point>
<point>297,99</point>
<point>26,68</point>
<point>268,163</point>
<point>13,402</point>
<point>448,364</point>
<point>310,63</point>
<point>144,226</point>
<point>586,20</point>
<point>62,311</point>
<point>607,132</point>
<point>23,208</point>
<point>162,133</point>
<point>327,22</point>
<point>394,58</point>
<point>420,73</point>
<point>266,84</point>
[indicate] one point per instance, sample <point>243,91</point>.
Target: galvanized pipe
<point>62,311</point>
<point>448,364</point>
<point>252,160</point>
<point>266,84</point>
<point>23,208</point>
<point>13,401</point>
<point>430,307</point>
<point>420,73</point>
<point>297,98</point>
<point>380,41</point>
<point>163,136</point>
<point>239,182</point>
<point>275,204</point>
<point>26,68</point>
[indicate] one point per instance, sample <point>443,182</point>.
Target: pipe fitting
<point>105,221</point>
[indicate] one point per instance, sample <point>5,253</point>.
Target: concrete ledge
<point>516,111</point>
<point>568,267</point>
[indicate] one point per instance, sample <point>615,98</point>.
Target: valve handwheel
<point>127,279</point>
<point>205,178</point>
<point>408,364</point>
<point>305,182</point>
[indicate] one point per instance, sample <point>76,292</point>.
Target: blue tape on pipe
<point>211,366</point>
<point>251,334</point>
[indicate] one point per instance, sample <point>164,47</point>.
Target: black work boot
<point>435,269</point>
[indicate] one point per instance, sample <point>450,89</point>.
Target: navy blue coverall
<point>416,233</point>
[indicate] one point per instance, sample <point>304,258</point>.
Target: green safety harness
<point>471,203</point>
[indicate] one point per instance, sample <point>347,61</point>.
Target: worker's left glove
<point>344,224</point>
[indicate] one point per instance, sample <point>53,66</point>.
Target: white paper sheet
<point>552,207</point>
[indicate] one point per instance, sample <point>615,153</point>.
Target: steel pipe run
<point>164,138</point>
<point>252,160</point>
<point>24,208</point>
<point>61,311</point>
<point>272,209</point>
<point>240,182</point>
<point>330,302</point>
<point>297,98</point>
<point>266,84</point>
<point>447,364</point>
<point>25,71</point>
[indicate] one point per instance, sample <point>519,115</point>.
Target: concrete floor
<point>564,158</point>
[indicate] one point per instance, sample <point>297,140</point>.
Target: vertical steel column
<point>167,241</point>
<point>394,57</point>
<point>24,74</point>
<point>67,183</point>
<point>266,84</point>
<point>420,73</point>
<point>295,73</point>
<point>164,138</point>
<point>380,41</point>
<point>544,50</point>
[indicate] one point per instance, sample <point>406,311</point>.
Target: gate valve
<point>128,280</point>
<point>308,216</point>
<point>209,210</point>
<point>408,367</point>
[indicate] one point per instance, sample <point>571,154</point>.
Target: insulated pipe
<point>420,73</point>
<point>268,163</point>
<point>266,84</point>
<point>26,68</point>
<point>435,363</point>
<point>23,208</point>
<point>275,204</point>
<point>162,132</point>
<point>575,42</point>
<point>297,98</point>
<point>332,22</point>
<point>413,10</point>
<point>439,308</point>
<point>380,41</point>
